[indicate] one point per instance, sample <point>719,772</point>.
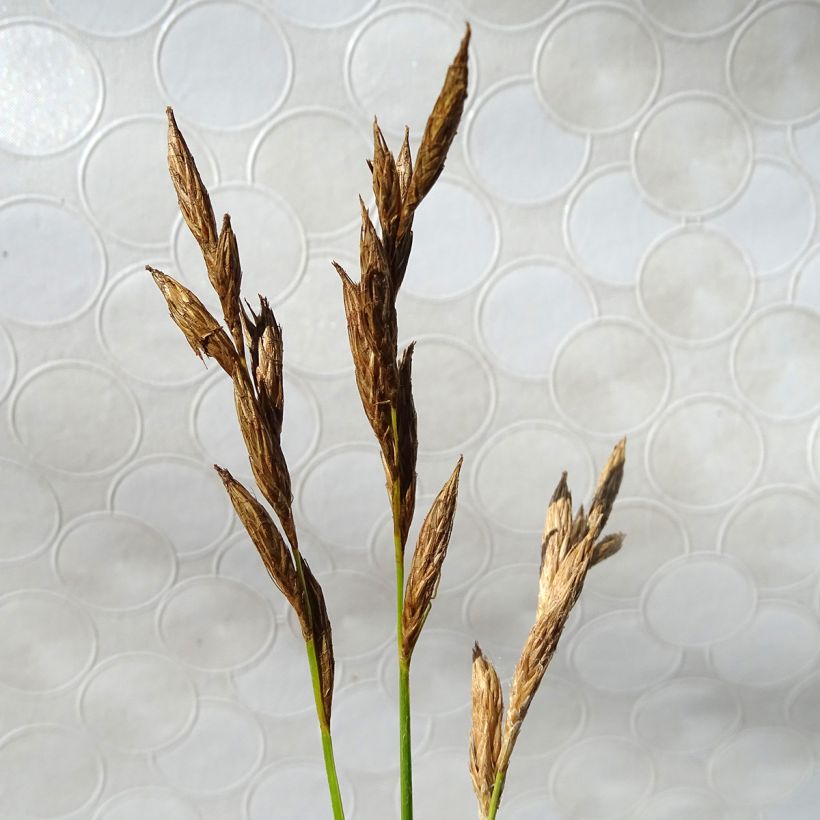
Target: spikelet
<point>485,733</point>
<point>203,333</point>
<point>194,202</point>
<point>316,624</point>
<point>267,539</point>
<point>226,277</point>
<point>408,442</point>
<point>428,558</point>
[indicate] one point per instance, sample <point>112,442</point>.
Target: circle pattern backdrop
<point>624,242</point>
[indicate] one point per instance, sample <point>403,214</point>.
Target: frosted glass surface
<point>624,241</point>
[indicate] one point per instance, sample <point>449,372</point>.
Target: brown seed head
<point>226,278</point>
<point>267,539</point>
<point>322,636</point>
<point>386,188</point>
<point>408,442</point>
<point>194,202</point>
<point>203,332</point>
<point>485,734</point>
<point>428,558</point>
<point>265,455</point>
<point>439,132</point>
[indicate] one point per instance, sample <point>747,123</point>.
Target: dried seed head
<point>408,442</point>
<point>203,332</point>
<point>265,455</point>
<point>404,164</point>
<point>439,132</point>
<point>607,547</point>
<point>318,628</point>
<point>371,328</point>
<point>386,188</point>
<point>268,361</point>
<point>485,735</point>
<point>194,202</point>
<point>569,549</point>
<point>609,483</point>
<point>226,278</point>
<point>267,539</point>
<point>428,558</point>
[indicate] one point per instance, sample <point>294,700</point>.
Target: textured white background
<point>623,242</point>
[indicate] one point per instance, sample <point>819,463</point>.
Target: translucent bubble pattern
<point>516,469</point>
<point>48,642</point>
<point>696,285</point>
<point>761,765</point>
<point>41,235</point>
<point>625,774</point>
<point>220,753</point>
<point>190,78</point>
<point>114,561</point>
<point>527,310</point>
<point>98,409</point>
<point>772,64</point>
<point>771,532</point>
<point>692,153</point>
<point>777,645</point>
<point>421,41</point>
<point>31,517</point>
<point>288,791</point>
<point>68,784</point>
<point>609,226</point>
<point>609,376</point>
<point>138,702</point>
<point>148,801</point>
<point>699,599</point>
<point>687,715</point>
<point>772,361</point>
<point>214,623</point>
<point>63,109</point>
<point>704,451</point>
<point>697,18</point>
<point>598,650</point>
<point>509,122</point>
<point>609,59</point>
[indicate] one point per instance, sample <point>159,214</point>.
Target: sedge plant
<point>249,348</point>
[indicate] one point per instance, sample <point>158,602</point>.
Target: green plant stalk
<point>324,723</point>
<point>405,756</point>
<point>495,800</point>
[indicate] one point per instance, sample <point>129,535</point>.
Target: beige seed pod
<point>266,538</point>
<point>194,202</point>
<point>428,559</point>
<point>386,188</point>
<point>203,332</point>
<point>485,733</point>
<point>226,279</point>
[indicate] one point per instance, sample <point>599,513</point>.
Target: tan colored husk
<point>570,546</point>
<point>485,735</point>
<point>428,559</point>
<point>267,539</point>
<point>193,198</point>
<point>203,332</point>
<point>258,398</point>
<point>226,278</point>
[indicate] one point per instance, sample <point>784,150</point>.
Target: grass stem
<point>405,757</point>
<point>495,800</point>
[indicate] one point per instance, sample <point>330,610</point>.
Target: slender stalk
<point>324,724</point>
<point>495,800</point>
<point>405,757</point>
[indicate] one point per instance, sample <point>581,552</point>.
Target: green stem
<point>404,741</point>
<point>405,756</point>
<point>495,800</point>
<point>324,723</point>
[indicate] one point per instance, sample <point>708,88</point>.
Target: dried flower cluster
<point>570,545</point>
<point>252,357</point>
<point>249,349</point>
